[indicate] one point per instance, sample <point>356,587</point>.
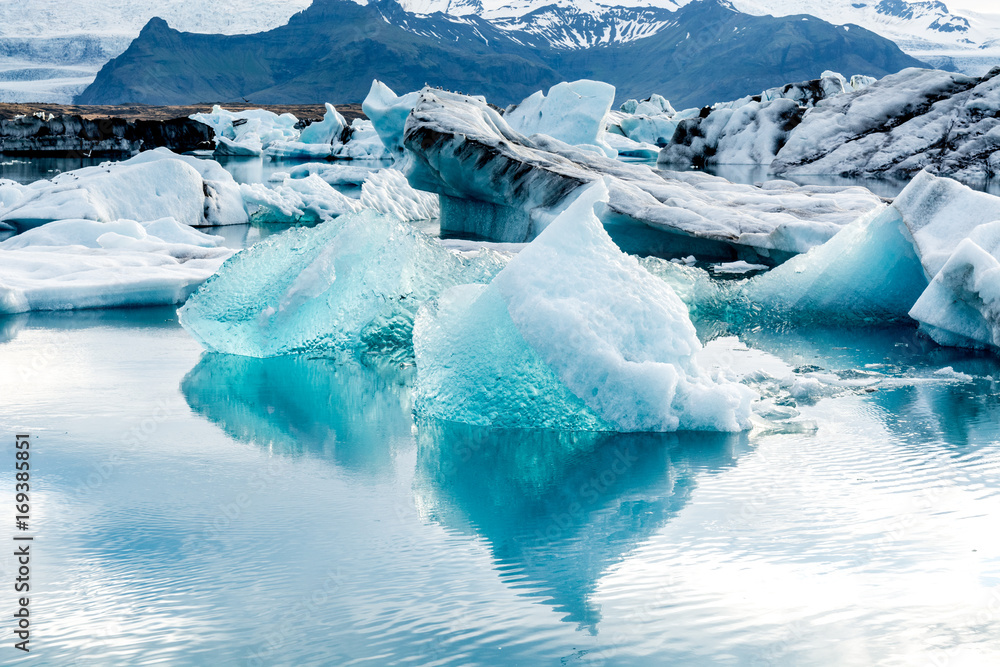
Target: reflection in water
<point>28,170</point>
<point>343,410</point>
<point>561,508</point>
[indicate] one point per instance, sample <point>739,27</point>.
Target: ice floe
<point>72,264</point>
<point>500,185</point>
<point>572,334</point>
<point>572,112</point>
<point>149,186</point>
<point>352,283</point>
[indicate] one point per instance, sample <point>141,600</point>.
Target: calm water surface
<point>198,509</point>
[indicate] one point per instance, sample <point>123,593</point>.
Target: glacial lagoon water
<point>200,509</point>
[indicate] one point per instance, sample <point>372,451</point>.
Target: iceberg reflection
<point>343,410</point>
<point>559,508</point>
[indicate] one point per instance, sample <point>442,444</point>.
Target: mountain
<point>331,51</point>
<point>50,50</point>
<point>959,40</point>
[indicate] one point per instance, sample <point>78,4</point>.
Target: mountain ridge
<point>731,54</point>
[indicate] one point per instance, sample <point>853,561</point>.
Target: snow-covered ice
<point>931,255</point>
<point>503,186</point>
<point>572,334</point>
<point>572,112</point>
<point>73,264</point>
<point>149,186</point>
<point>387,113</point>
<point>351,283</point>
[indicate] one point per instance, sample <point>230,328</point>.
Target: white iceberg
<point>246,133</point>
<point>147,187</point>
<point>363,144</point>
<point>328,131</point>
<point>928,255</point>
<point>572,334</point>
<point>348,284</point>
<point>572,112</point>
<point>296,200</point>
<point>73,264</point>
<point>500,185</point>
<point>305,196</point>
<point>388,112</point>
<point>388,191</point>
<point>906,122</point>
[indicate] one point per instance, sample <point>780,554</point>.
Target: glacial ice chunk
<point>572,112</point>
<point>364,144</point>
<point>147,187</point>
<point>388,191</point>
<point>73,264</point>
<point>500,185</point>
<point>868,271</point>
<point>327,131</point>
<point>354,283</point>
<point>572,334</point>
<point>388,113</point>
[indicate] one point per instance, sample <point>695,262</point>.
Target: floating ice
<point>573,334</point>
<point>363,144</point>
<point>388,112</point>
<point>388,191</point>
<point>246,133</point>
<point>296,200</point>
<point>354,282</point>
<point>752,133</point>
<point>499,185</point>
<point>333,174</point>
<point>73,264</point>
<point>899,125</point>
<point>305,197</point>
<point>147,187</point>
<point>868,271</point>
<point>329,130</point>
<point>878,267</point>
<point>574,113</point>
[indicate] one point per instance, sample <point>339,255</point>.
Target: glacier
<point>571,334</point>
<point>500,185</point>
<point>349,284</point>
<point>73,264</point>
<point>149,186</point>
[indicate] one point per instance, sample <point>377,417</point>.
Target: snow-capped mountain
<point>53,50</point>
<point>50,50</point>
<point>926,29</point>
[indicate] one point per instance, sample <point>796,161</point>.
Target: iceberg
<point>328,131</point>
<point>573,335</point>
<point>388,112</point>
<point>73,264</point>
<point>246,133</point>
<point>305,196</point>
<point>574,113</point>
<point>333,174</point>
<point>364,143</point>
<point>500,185</point>
<point>388,191</point>
<point>751,133</point>
<point>906,122</point>
<point>925,257</point>
<point>354,283</point>
<point>296,200</point>
<point>147,187</point>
